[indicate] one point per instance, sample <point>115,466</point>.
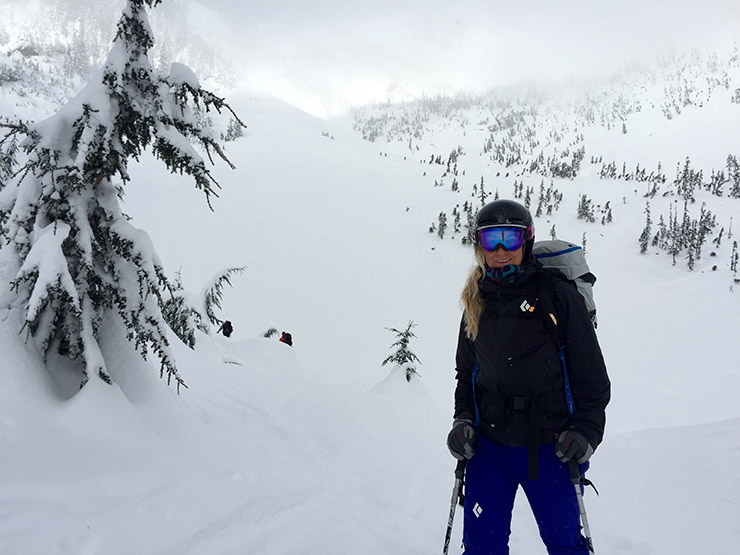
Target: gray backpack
<point>571,261</point>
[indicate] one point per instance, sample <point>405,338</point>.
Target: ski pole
<point>575,477</point>
<point>459,476</point>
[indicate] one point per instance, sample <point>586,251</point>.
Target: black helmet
<point>505,212</point>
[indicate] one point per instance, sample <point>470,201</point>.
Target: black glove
<point>572,445</point>
<point>461,439</point>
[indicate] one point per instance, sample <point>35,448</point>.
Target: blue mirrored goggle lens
<point>511,238</point>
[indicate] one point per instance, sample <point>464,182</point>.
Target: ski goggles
<point>509,237</point>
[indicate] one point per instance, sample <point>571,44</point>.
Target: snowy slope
<point>317,448</point>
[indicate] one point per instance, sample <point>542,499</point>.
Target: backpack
<point>570,260</point>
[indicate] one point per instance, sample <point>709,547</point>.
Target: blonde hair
<point>471,300</point>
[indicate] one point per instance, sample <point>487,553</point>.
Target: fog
<point>326,55</point>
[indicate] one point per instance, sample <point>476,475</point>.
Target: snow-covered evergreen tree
<point>541,200</point>
<point>403,357</point>
<point>690,256</point>
<point>233,131</point>
<point>704,226</point>
<point>733,173</point>
<point>647,230</point>
<point>688,181</point>
<point>586,209</point>
<point>456,223</point>
<point>442,225</point>
<point>660,239</point>
<point>78,258</point>
<point>482,194</point>
<point>467,238</point>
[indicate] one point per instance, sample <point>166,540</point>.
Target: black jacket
<point>517,388</point>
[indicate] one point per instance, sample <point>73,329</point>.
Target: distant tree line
<point>680,235</point>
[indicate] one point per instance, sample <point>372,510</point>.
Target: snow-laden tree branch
<point>213,293</point>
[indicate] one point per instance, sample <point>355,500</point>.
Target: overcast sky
<point>323,55</point>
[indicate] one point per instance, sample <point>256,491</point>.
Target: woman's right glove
<point>461,439</point>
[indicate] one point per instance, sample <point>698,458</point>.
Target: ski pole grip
<point>575,474</point>
<point>460,469</point>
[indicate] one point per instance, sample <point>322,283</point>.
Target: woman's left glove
<point>572,445</point>
<point>461,439</point>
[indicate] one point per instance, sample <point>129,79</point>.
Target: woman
<point>511,414</point>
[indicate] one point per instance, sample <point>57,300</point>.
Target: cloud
<point>326,55</point>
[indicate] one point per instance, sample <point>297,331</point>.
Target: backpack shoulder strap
<point>549,280</point>
<point>546,306</point>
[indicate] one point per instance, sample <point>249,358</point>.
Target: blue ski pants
<point>492,478</point>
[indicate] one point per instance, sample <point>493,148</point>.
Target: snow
<point>181,74</point>
<point>316,448</point>
<point>46,258</point>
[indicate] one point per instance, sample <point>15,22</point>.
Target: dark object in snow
<point>226,328</point>
<point>287,338</point>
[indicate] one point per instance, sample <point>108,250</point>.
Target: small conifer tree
<point>483,194</point>
<point>541,200</point>
<point>690,257</point>
<point>467,238</point>
<point>586,209</point>
<point>733,174</point>
<point>647,230</point>
<point>442,225</point>
<point>403,357</point>
<point>234,130</point>
<point>456,223</point>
